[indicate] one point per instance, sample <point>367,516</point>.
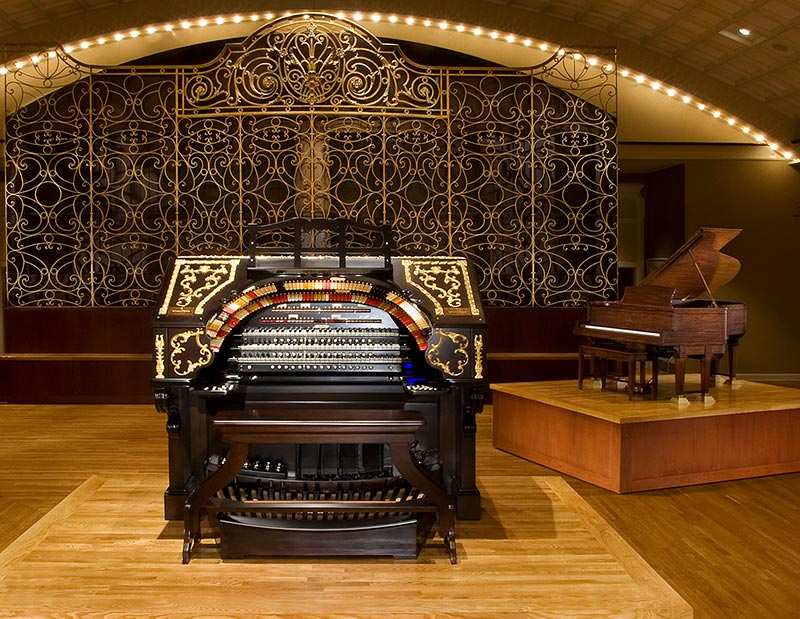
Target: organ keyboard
<point>319,341</point>
<point>320,316</point>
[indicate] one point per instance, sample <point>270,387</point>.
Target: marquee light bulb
<point>410,21</point>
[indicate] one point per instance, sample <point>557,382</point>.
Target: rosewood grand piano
<point>321,392</point>
<point>664,316</point>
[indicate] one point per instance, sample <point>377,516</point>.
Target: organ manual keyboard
<point>664,315</point>
<point>320,323</point>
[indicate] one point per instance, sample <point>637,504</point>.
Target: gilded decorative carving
<point>160,343</point>
<point>112,173</point>
<point>478,356</point>
<point>193,282</point>
<point>449,352</point>
<point>445,283</point>
<point>317,61</point>
<point>189,351</point>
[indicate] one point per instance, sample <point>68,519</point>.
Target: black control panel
<point>319,339</point>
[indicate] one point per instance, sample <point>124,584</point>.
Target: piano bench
<point>627,362</point>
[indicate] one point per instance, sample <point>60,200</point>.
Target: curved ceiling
<point>691,45</point>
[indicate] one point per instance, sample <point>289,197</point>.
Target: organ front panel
<point>320,325</point>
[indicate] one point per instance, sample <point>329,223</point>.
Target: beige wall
<point>762,198</point>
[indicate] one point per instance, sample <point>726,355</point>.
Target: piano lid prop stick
<point>703,279</point>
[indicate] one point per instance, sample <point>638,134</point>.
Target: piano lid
<point>703,250</point>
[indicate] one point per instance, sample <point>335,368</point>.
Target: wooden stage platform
<point>748,430</point>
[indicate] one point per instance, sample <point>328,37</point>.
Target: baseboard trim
<point>782,379</point>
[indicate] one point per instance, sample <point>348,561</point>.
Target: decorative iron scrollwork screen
<point>117,170</point>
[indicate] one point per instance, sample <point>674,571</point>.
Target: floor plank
<point>83,536</point>
<point>99,560</point>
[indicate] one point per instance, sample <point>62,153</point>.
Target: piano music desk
<point>601,437</point>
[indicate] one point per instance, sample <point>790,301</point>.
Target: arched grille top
<point>112,171</point>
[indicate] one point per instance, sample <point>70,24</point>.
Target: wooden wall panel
<point>78,330</point>
<point>65,380</point>
<point>66,355</point>
<point>531,343</point>
<point>77,347</point>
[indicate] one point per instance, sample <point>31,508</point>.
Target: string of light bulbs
<point>358,16</point>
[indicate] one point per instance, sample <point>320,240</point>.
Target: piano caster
<point>705,399</point>
<point>721,380</point>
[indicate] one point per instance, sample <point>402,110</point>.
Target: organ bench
<point>397,428</point>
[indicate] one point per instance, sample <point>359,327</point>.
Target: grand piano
<point>673,311</point>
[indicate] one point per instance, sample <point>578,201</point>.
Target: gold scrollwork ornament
<point>159,346</point>
<point>448,352</point>
<point>478,356</point>
<point>445,282</point>
<point>190,351</point>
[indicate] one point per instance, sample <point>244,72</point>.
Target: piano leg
<point>632,377</point>
<point>733,342</point>
<point>680,373</point>
<point>705,375</point>
<point>654,364</point>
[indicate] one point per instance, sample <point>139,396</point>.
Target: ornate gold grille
<point>111,172</point>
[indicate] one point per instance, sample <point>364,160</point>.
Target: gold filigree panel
<point>449,352</point>
<point>193,282</point>
<point>446,283</point>
<point>303,63</point>
<point>189,351</point>
<point>112,175</point>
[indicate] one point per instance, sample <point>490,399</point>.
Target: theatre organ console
<point>663,315</point>
<point>320,329</point>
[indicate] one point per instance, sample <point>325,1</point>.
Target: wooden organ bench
<point>397,428</point>
<point>627,361</point>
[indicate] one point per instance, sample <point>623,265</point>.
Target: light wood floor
<point>81,535</point>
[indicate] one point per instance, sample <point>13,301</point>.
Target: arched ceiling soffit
<point>667,118</point>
